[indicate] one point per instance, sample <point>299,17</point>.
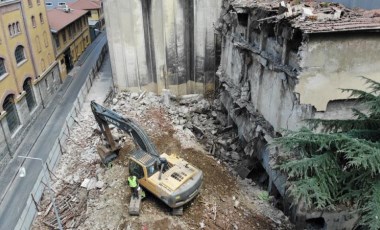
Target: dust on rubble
<point>92,196</point>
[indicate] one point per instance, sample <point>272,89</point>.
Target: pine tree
<point>340,164</point>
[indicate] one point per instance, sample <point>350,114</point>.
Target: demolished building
<point>282,64</point>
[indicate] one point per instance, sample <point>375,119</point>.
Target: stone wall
<point>162,44</point>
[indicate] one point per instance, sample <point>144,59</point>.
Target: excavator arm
<point>104,117</point>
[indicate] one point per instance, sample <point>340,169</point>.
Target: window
<point>43,66</point>
<point>14,29</point>
<point>45,39</point>
<point>152,169</point>
<point>34,22</point>
<point>19,54</point>
<point>64,36</point>
<point>38,2</point>
<point>69,29</point>
<point>38,43</point>
<point>18,27</point>
<point>61,3</point>
<point>12,116</point>
<point>56,39</point>
<point>41,18</point>
<point>136,169</point>
<point>10,30</point>
<point>3,70</point>
<point>30,3</point>
<point>30,99</point>
<point>50,60</point>
<point>48,3</point>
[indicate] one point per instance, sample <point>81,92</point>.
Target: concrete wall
<point>162,44</point>
<point>331,62</point>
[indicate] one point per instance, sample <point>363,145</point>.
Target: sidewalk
<point>43,134</point>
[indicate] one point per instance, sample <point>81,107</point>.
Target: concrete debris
<point>166,97</point>
<point>89,183</point>
<point>99,184</point>
<point>198,125</point>
<point>134,96</point>
<point>308,16</point>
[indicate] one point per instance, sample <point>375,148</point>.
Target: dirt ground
<point>225,201</point>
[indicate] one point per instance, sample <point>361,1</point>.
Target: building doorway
<point>68,60</point>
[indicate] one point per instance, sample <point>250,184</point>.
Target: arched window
<point>19,54</point>
<point>18,27</point>
<point>43,66</point>
<point>30,99</point>
<point>12,116</point>
<point>41,18</point>
<point>45,39</point>
<point>10,30</point>
<point>14,30</point>
<point>34,21</point>
<point>38,43</point>
<point>30,3</point>
<point>3,70</point>
<point>50,60</point>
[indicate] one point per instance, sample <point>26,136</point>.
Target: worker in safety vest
<point>132,182</point>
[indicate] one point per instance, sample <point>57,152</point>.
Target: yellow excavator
<point>169,178</point>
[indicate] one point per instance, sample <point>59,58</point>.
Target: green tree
<point>339,164</point>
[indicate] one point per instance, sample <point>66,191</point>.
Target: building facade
<point>95,14</point>
<point>71,35</point>
<point>29,74</point>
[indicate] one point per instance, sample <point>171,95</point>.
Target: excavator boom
<point>104,116</point>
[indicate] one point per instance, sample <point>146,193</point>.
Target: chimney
<point>66,9</point>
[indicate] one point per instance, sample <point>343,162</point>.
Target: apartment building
<point>70,31</point>
<point>95,14</point>
<point>29,74</point>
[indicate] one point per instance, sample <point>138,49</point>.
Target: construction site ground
<point>91,195</point>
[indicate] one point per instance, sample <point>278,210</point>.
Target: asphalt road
<point>43,134</point>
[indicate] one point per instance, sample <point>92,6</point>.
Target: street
<point>40,139</point>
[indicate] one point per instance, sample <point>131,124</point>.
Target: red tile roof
<point>86,4</point>
<point>59,19</point>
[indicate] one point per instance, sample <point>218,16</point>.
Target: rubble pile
<point>190,126</point>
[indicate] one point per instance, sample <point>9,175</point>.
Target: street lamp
<point>22,173</point>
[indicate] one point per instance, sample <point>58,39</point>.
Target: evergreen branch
<point>360,94</point>
<point>361,153</point>
<point>344,125</point>
<point>374,85</point>
<point>359,115</point>
<point>370,135</point>
<point>371,210</point>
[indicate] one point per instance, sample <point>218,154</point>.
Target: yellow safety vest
<point>132,181</point>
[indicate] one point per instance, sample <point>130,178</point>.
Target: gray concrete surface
<point>14,191</point>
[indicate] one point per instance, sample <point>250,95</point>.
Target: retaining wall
<point>30,211</point>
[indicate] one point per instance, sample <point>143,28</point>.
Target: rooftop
<point>86,4</point>
<point>315,17</point>
<point>59,19</point>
